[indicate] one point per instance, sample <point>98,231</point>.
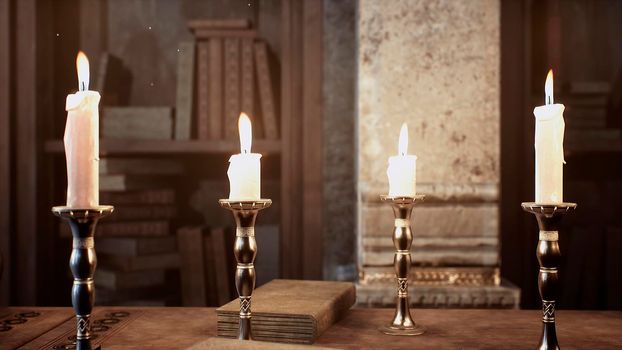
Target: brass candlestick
<point>403,323</point>
<point>83,262</point>
<point>245,250</point>
<point>549,216</point>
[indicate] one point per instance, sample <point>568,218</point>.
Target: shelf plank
<point>154,147</point>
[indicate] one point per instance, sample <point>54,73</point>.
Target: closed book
<point>247,82</point>
<point>291,311</point>
<point>140,166</point>
<point>203,34</point>
<point>203,99</point>
<point>150,196</point>
<point>237,344</point>
<point>219,24</point>
<point>224,265</point>
<point>232,87</point>
<point>165,261</point>
<point>185,91</point>
<point>112,80</point>
<point>142,212</point>
<point>127,229</point>
<point>21,324</point>
<point>211,286</point>
<point>215,89</point>
<point>129,182</point>
<point>266,92</point>
<point>138,123</point>
<point>136,246</point>
<point>117,280</point>
<point>192,270</point>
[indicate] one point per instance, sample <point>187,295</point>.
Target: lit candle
<point>82,141</point>
<point>245,168</point>
<point>549,145</point>
<point>402,169</point>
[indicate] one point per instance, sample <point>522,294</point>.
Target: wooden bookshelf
<point>162,147</point>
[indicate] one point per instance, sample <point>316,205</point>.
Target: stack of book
<point>227,70</point>
<point>290,311</point>
<point>208,264</point>
<point>586,116</point>
<point>138,262</point>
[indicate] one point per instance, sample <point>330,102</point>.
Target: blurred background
<point>327,85</point>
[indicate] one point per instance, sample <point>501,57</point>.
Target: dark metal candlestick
<point>245,251</point>
<point>83,262</point>
<point>403,323</point>
<point>548,253</point>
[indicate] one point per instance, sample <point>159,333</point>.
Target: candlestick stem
<point>548,254</point>
<point>83,262</point>
<point>403,323</point>
<point>245,251</point>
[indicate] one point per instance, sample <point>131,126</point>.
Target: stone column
<point>436,66</point>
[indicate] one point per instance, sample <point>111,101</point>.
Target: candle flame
<point>82,64</point>
<point>246,133</point>
<point>548,88</point>
<point>403,143</point>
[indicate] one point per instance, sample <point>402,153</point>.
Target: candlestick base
<point>83,262</point>
<point>403,323</point>
<point>549,216</point>
<point>245,250</point>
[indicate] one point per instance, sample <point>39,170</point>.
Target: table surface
<point>179,328</point>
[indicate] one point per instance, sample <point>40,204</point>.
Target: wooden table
<point>179,328</point>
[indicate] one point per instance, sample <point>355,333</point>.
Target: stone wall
<point>435,65</point>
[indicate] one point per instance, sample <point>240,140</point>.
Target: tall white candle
<point>402,169</point>
<point>245,168</point>
<point>81,141</point>
<point>549,145</point>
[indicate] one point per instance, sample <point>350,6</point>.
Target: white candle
<point>82,142</point>
<point>245,168</point>
<point>402,169</point>
<point>549,145</point>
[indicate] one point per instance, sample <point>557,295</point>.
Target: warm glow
<point>82,64</point>
<point>246,133</point>
<point>403,143</point>
<point>548,88</point>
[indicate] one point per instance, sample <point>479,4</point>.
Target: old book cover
<point>127,229</point>
<point>247,83</point>
<point>266,93</point>
<point>235,344</point>
<point>19,325</point>
<point>165,261</point>
<point>291,310</point>
<point>185,91</point>
<point>131,182</point>
<point>232,87</point>
<point>203,81</point>
<point>117,280</point>
<point>136,246</point>
<point>190,247</point>
<point>151,196</point>
<point>142,212</point>
<point>215,89</point>
<point>140,123</point>
<point>224,265</point>
<point>140,166</point>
